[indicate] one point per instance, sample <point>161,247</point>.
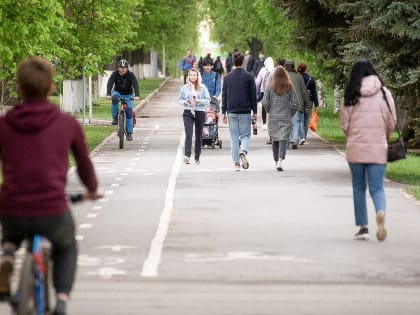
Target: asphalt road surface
<point>176,239</point>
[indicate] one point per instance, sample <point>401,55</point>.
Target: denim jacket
<point>186,95</point>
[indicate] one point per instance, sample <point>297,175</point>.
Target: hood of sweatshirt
<point>370,85</point>
<point>269,64</point>
<point>32,116</point>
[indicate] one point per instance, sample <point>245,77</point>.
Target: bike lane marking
<point>151,264</point>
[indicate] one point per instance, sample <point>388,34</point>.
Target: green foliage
<point>29,29</point>
<point>235,23</point>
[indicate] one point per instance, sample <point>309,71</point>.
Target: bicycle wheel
<point>26,302</point>
<point>46,254</point>
<point>121,128</point>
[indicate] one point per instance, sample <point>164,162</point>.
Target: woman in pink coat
<point>367,123</point>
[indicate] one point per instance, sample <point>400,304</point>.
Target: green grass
<point>405,171</point>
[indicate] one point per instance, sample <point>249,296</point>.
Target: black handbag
<point>397,149</point>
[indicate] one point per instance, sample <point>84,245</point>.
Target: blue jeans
<point>240,129</point>
<point>297,127</point>
<point>362,176</point>
<point>128,111</point>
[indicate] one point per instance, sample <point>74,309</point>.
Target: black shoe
<point>60,308</point>
<point>114,121</point>
<point>6,269</point>
<point>294,145</point>
<point>129,137</point>
<point>362,235</point>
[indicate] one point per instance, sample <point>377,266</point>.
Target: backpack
<point>217,65</point>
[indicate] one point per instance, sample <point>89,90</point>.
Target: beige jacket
<point>368,125</point>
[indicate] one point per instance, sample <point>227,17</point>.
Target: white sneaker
<point>302,141</point>
<point>279,165</point>
<point>264,127</point>
<point>186,160</point>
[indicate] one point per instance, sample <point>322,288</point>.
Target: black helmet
<point>123,63</point>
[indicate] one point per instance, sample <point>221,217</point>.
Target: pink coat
<point>368,125</point>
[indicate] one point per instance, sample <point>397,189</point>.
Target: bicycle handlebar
<point>79,197</point>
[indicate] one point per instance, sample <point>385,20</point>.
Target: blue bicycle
<point>32,296</point>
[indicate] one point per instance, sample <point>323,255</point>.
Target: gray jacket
<point>300,88</point>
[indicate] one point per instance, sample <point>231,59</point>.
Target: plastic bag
<point>313,123</point>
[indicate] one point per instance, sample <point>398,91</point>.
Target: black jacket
<point>239,93</point>
<point>123,84</point>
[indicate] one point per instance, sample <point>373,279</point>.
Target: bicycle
<point>32,295</point>
<point>122,118</point>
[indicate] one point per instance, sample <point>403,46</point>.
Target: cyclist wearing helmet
<point>121,83</point>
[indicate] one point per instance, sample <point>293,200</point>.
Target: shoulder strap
<point>389,108</point>
<point>309,80</point>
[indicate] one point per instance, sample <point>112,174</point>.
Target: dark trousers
<point>279,149</point>
<point>190,122</point>
<point>60,231</point>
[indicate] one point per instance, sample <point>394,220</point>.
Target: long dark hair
<point>360,69</point>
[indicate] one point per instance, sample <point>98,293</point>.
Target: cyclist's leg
<point>129,115</point>
<point>13,231</point>
<point>115,101</point>
<point>60,230</point>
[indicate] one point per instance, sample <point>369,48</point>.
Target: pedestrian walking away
<point>261,82</point>
<point>193,96</point>
<point>238,101</point>
<point>36,140</point>
<point>298,132</point>
<point>312,95</point>
<point>367,123</point>
<point>281,103</point>
<point>121,83</point>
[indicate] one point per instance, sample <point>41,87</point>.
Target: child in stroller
<point>210,130</point>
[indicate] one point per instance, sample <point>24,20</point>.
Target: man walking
<point>187,64</point>
<point>298,132</point>
<point>238,100</point>
<point>212,81</point>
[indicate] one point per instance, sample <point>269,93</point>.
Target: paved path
<point>175,239</point>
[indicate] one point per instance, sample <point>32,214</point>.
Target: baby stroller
<point>210,131</point>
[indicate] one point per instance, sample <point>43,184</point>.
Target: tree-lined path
<point>256,241</point>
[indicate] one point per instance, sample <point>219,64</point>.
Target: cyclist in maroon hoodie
<point>35,142</point>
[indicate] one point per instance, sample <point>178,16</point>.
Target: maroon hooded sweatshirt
<point>35,142</point>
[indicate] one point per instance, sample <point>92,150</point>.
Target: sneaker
<point>362,235</point>
<point>302,141</point>
<point>279,165</point>
<point>294,145</point>
<point>264,126</point>
<point>244,161</point>
<point>381,231</point>
<point>129,136</point>
<point>197,162</point>
<point>60,308</point>
<point>114,121</point>
<point>6,270</point>
<point>186,160</point>
<point>237,166</point>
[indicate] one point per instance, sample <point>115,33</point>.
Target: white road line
<point>85,226</point>
<point>91,215</point>
<point>97,208</point>
<point>79,237</point>
<point>151,264</point>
